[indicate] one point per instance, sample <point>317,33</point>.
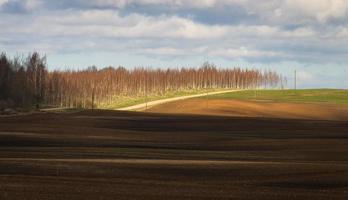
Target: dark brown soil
<point>124,155</point>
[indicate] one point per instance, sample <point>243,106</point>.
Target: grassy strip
<point>125,101</point>
<point>298,96</point>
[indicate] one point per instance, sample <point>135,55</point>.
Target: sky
<point>309,36</point>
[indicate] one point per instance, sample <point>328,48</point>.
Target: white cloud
<point>304,76</point>
<point>33,4</point>
<point>3,2</point>
<point>243,52</point>
<point>308,33</point>
<point>321,10</point>
<point>342,33</point>
<point>171,3</point>
<point>109,23</point>
<point>291,11</point>
<point>163,35</point>
<point>110,29</point>
<point>21,5</point>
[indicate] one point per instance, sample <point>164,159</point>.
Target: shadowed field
<point>123,155</point>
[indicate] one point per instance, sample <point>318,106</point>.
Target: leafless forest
<point>26,82</point>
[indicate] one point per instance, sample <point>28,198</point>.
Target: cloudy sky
<point>310,36</point>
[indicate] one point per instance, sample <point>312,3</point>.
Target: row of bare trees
<point>91,87</point>
<point>26,82</point>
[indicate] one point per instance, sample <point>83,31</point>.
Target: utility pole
<point>93,96</point>
<point>295,80</point>
<point>146,92</point>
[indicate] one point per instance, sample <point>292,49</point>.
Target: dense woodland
<point>26,82</point>
<point>22,81</point>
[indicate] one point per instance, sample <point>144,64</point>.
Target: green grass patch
<point>298,96</point>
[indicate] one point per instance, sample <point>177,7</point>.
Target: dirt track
<point>145,106</point>
<point>122,155</point>
<point>255,109</point>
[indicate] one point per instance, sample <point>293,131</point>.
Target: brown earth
<point>125,155</point>
<point>255,109</point>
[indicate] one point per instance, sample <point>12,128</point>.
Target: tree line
<point>22,81</point>
<point>26,82</point>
